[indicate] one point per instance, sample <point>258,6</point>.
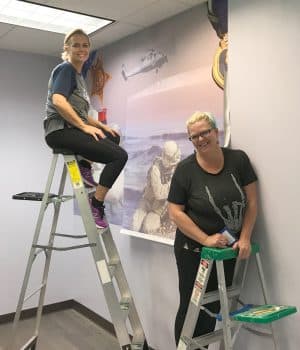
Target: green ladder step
<point>265,313</point>
<point>224,253</point>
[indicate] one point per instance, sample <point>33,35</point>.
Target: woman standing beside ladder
<point>211,190</point>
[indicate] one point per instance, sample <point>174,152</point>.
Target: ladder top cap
<point>224,254</point>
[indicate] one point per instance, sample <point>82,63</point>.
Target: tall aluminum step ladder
<point>232,316</point>
<point>111,274</point>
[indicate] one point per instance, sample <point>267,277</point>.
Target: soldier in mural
<point>151,216</point>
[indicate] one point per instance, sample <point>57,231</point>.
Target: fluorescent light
<point>47,18</point>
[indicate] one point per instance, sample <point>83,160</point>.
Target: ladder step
<point>31,344</point>
<point>69,236</point>
<point>62,249</point>
<point>138,346</point>
<point>34,292</point>
<point>193,343</point>
<point>265,313</point>
<point>112,266</point>
<point>210,297</point>
<point>125,303</point>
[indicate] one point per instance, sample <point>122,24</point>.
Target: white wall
<point>25,160</point>
<point>264,103</point>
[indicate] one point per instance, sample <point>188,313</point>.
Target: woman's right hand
<point>95,132</point>
<point>216,241</point>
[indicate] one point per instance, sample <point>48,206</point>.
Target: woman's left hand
<point>110,130</point>
<point>244,247</point>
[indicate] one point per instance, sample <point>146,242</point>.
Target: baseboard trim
<point>92,316</point>
<point>64,305</point>
<point>28,313</point>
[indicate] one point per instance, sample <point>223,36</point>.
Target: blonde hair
<point>198,116</point>
<point>67,39</point>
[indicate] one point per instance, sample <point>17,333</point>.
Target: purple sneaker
<point>87,176</point>
<point>99,216</point>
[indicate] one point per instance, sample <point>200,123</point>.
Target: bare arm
<point>67,112</point>
<point>191,230</point>
<point>243,244</point>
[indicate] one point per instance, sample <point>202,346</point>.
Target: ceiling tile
<point>154,13</point>
<point>113,33</point>
<point>31,40</point>
<point>131,16</point>
<point>113,9</point>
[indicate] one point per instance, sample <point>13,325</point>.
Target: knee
<point>123,156</point>
<point>115,138</point>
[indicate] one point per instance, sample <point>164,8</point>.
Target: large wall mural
<point>147,85</point>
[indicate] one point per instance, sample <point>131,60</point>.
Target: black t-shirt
<point>212,201</point>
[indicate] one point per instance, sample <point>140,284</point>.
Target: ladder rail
<point>32,256</point>
<point>104,252</point>
<point>196,300</point>
<point>57,207</point>
<point>224,305</point>
<point>97,250</point>
<point>123,285</point>
<point>266,296</point>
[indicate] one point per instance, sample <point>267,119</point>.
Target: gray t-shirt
<point>65,80</point>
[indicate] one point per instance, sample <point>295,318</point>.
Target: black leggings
<point>187,265</point>
<point>106,151</point>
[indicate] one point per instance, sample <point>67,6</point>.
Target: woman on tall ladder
<point>68,125</point>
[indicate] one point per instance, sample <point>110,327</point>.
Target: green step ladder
<point>231,316</point>
<point>111,275</point>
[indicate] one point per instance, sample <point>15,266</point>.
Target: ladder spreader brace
<point>105,254</point>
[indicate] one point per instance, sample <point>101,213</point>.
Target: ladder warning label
<point>199,282</point>
<point>103,271</point>
<point>74,174</point>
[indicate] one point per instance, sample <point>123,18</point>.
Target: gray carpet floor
<point>62,330</point>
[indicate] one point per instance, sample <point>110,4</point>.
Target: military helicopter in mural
<point>153,59</point>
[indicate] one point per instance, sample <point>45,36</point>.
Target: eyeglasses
<point>204,133</point>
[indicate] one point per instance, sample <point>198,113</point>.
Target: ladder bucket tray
<point>265,313</point>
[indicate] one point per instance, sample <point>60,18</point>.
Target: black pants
<point>187,266</point>
<point>106,151</point>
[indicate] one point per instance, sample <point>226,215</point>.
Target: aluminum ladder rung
<point>214,296</point>
<point>34,292</point>
<point>62,249</point>
<point>113,265</point>
<point>70,236</point>
<point>61,199</point>
<point>102,231</point>
<point>31,344</point>
<point>206,339</point>
<point>125,303</point>
<point>137,346</point>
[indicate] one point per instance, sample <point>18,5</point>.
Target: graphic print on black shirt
<point>233,214</point>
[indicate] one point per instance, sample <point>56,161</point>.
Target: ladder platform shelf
<point>265,313</point>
